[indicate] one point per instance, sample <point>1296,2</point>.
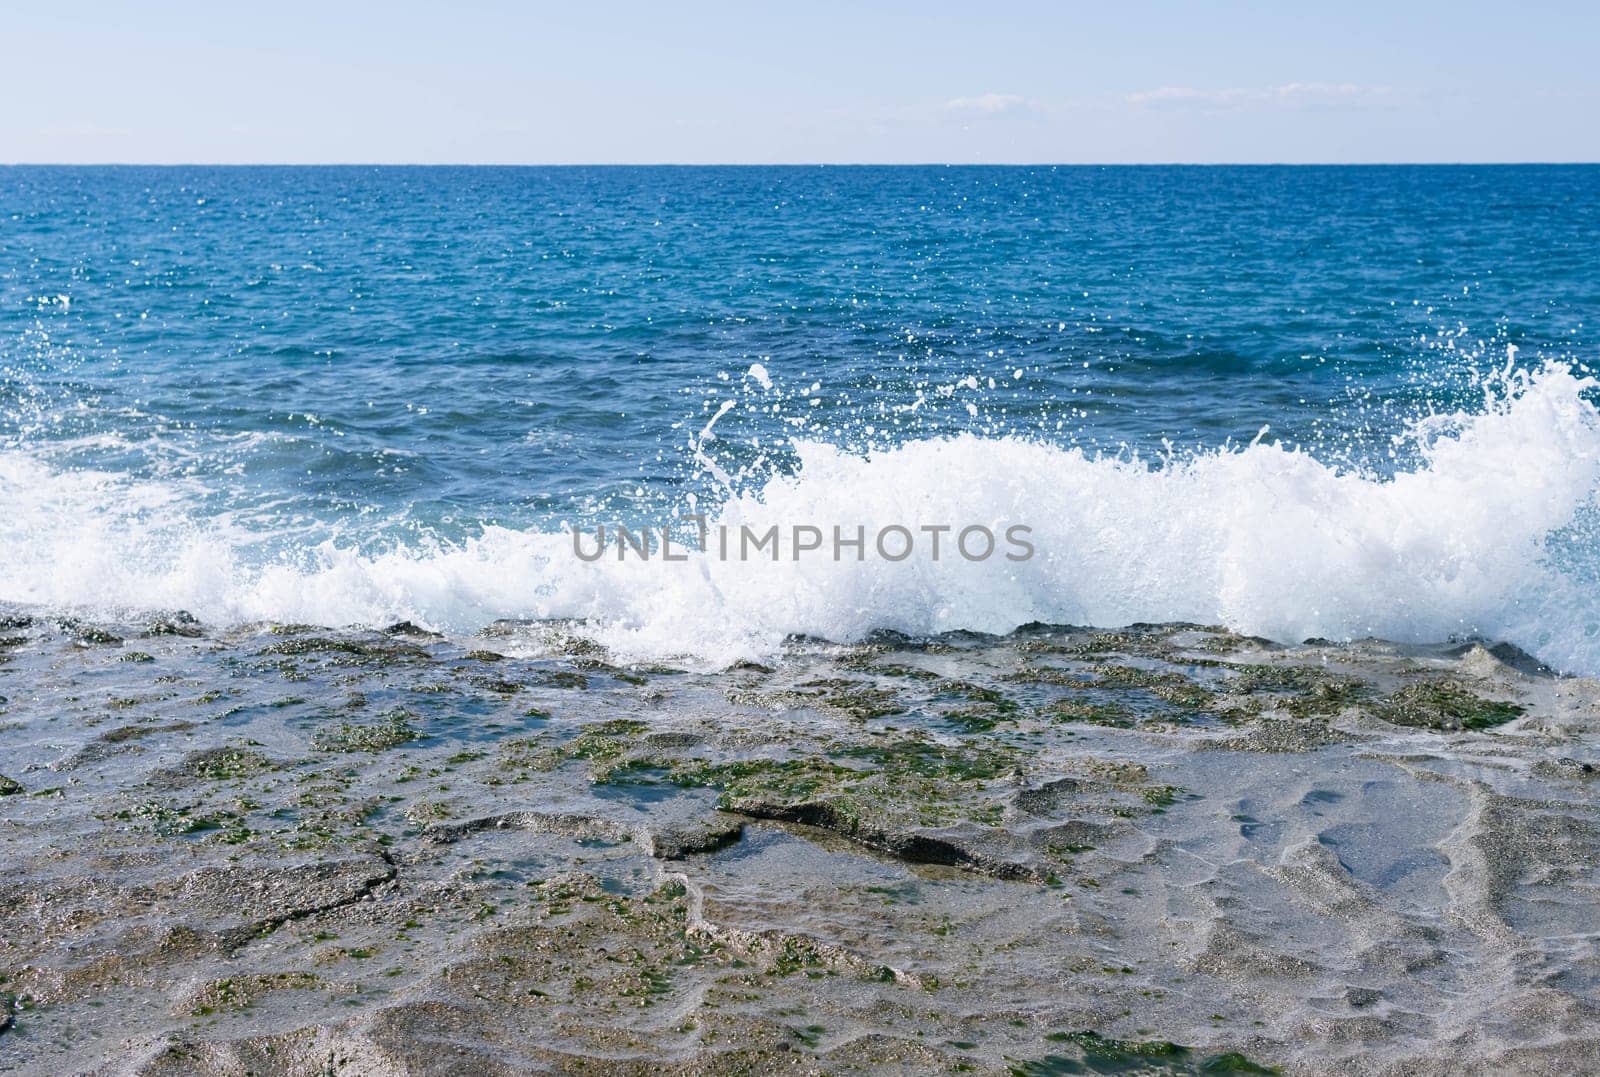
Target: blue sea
<point>1298,401</point>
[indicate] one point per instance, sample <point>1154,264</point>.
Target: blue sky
<point>496,82</point>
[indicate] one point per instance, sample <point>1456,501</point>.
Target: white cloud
<point>1290,93</point>
<point>991,103</point>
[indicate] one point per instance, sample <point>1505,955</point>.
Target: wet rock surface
<point>1163,849</point>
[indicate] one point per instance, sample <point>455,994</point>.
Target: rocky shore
<point>1163,849</point>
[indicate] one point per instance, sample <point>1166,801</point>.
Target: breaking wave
<point>1492,532</point>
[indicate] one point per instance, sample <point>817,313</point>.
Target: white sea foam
<point>759,374</point>
<point>1485,536</point>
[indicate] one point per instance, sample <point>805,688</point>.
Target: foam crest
<point>1486,535</point>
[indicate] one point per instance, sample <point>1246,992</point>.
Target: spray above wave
<point>1490,534</point>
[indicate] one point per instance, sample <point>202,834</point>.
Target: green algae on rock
<point>913,855</point>
<point>395,729</point>
<point>347,652</point>
<point>1445,704</point>
<point>1103,1054</point>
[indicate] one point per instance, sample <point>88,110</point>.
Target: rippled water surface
<point>308,391</point>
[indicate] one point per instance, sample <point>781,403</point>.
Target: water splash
<point>1490,533</point>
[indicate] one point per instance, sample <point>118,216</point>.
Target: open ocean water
<point>1335,402</point>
